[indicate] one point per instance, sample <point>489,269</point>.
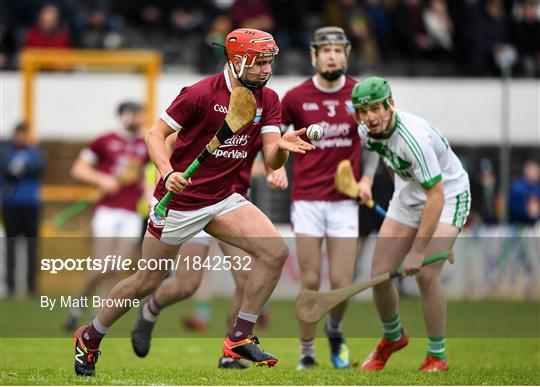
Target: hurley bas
<point>85,302</point>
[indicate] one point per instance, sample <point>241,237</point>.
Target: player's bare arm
<point>428,223</point>
<point>371,163</point>
<point>277,179</point>
<point>155,140</point>
<point>84,171</point>
<point>276,148</point>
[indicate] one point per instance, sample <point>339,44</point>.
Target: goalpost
<point>33,61</point>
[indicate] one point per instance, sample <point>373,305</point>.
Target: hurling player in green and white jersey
<point>429,207</point>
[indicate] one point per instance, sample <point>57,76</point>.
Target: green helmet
<point>370,90</point>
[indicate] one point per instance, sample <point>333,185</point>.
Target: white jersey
<point>420,156</point>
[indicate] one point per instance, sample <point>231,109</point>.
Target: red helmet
<point>249,44</point>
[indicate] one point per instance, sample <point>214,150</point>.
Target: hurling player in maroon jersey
<point>114,163</point>
<point>208,201</point>
<point>318,211</point>
<point>186,281</point>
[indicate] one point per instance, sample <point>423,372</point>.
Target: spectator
<point>212,57</point>
<point>358,27</point>
<point>378,14</point>
<point>439,29</point>
<point>524,203</point>
<point>96,32</point>
<point>253,14</point>
<point>184,21</point>
<point>493,34</point>
<point>20,177</point>
<point>526,37</point>
<point>484,194</point>
<point>468,20</point>
<point>290,25</point>
<point>48,31</point>
<point>409,29</point>
<point>7,46</point>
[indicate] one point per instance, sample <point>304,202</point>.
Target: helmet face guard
<point>248,45</point>
<point>371,91</point>
<point>333,36</point>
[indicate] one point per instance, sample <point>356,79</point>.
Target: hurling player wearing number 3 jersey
<point>318,210</point>
<point>430,205</point>
<point>208,201</point>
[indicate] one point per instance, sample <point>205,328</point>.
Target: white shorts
<point>202,238</point>
<point>180,226</point>
<point>325,218</point>
<point>116,222</point>
<point>455,211</point>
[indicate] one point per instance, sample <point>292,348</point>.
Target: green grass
<point>193,362</point>
<point>513,358</point>
<point>503,319</point>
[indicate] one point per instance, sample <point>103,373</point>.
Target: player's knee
<point>283,252</point>
<point>427,281</point>
<point>337,283</point>
<point>279,255</point>
<point>311,281</point>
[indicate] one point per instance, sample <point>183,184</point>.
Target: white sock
<point>147,314</point>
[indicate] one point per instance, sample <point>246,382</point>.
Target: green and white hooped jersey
<point>420,156</point>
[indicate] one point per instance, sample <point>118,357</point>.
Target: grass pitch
<point>193,360</point>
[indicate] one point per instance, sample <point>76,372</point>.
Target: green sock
<point>392,329</point>
<point>202,310</point>
<point>436,347</point>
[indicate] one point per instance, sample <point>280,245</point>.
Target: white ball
<point>314,132</point>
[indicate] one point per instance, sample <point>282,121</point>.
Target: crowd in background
<point>390,37</point>
<point>393,37</point>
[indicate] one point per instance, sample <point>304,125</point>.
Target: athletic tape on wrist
<point>167,175</point>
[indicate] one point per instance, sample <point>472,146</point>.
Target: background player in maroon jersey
<point>113,162</point>
<point>186,281</point>
<point>318,210</point>
<point>208,201</point>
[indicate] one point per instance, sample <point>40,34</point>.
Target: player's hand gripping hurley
<point>311,305</point>
<point>345,183</point>
<point>240,112</point>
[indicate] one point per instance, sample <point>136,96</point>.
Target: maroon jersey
<point>197,113</point>
<point>113,153</point>
<point>241,184</point>
<point>313,172</point>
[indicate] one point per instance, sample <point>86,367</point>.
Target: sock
<point>75,312</point>
<point>307,347</point>
<point>202,310</point>
<point>436,347</point>
<point>333,328</point>
<point>243,327</point>
<point>93,334</point>
<point>151,310</point>
<point>392,329</point>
